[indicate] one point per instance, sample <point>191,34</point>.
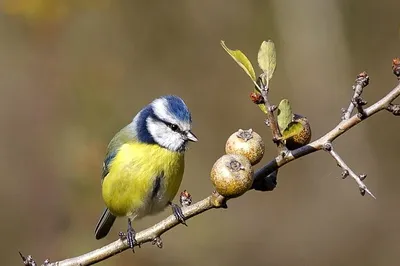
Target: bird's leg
<point>177,211</point>
<point>130,235</point>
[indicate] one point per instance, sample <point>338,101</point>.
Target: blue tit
<point>144,164</point>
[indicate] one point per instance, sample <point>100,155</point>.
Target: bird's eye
<point>173,127</point>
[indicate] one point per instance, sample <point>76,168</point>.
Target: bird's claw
<point>129,236</point>
<point>177,211</point>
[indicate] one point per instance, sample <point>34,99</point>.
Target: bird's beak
<point>190,136</point>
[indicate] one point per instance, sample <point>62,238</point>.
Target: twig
<point>347,170</point>
<point>264,175</point>
<point>272,122</point>
<point>361,82</point>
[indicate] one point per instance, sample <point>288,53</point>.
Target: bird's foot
<point>177,211</point>
<point>130,236</point>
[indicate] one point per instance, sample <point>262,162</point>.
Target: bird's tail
<point>104,224</point>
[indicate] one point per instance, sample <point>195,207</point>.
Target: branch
<point>271,120</point>
<point>362,81</point>
<point>347,170</point>
<point>264,179</point>
<point>151,234</point>
<point>329,137</point>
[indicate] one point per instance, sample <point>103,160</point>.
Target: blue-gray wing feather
<point>123,136</point>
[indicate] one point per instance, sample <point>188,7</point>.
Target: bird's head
<point>167,122</point>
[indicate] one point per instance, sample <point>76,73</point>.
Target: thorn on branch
<point>348,172</point>
<point>28,261</point>
<point>396,67</point>
<point>345,173</point>
<point>362,80</point>
<point>394,109</point>
<point>363,176</point>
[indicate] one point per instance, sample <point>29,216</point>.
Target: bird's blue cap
<point>177,107</point>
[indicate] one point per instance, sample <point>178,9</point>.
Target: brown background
<point>73,72</point>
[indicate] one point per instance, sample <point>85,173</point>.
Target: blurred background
<point>72,73</point>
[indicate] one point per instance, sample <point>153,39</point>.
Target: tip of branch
<point>362,79</point>
<point>369,193</point>
<point>22,256</point>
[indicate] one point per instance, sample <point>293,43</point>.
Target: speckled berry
<point>247,143</point>
<point>303,137</point>
<point>232,175</point>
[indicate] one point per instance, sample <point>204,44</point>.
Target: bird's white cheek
<point>170,140</point>
<point>164,136</point>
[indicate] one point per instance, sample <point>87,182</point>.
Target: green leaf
<point>293,129</point>
<point>285,114</point>
<point>263,108</point>
<point>241,60</point>
<point>267,59</point>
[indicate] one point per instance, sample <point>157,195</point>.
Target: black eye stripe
<point>172,126</point>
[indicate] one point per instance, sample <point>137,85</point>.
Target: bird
<point>144,165</point>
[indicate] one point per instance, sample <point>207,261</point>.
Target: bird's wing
<point>109,157</point>
<point>123,136</point>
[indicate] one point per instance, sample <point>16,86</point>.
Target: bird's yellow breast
<point>142,179</point>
